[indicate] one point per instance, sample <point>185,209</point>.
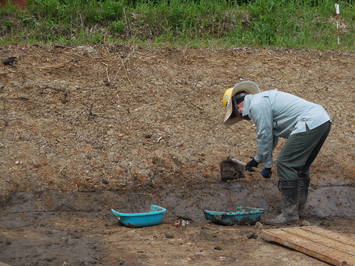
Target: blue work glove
<point>251,164</point>
<point>266,172</point>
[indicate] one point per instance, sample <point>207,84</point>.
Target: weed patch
<point>263,23</point>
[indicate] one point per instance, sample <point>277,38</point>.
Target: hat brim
<point>229,110</point>
<point>249,87</point>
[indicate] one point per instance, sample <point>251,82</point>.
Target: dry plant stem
<point>127,22</point>
<point>56,66</point>
<point>126,72</point>
<point>10,70</point>
<point>114,78</point>
<point>108,78</point>
<point>106,70</point>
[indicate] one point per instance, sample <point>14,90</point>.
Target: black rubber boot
<point>303,184</point>
<point>289,214</point>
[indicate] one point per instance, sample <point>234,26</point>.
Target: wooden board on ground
<point>325,245</point>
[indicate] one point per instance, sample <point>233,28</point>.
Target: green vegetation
<point>261,23</point>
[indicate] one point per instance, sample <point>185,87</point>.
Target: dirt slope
<point>88,118</point>
<point>146,124</point>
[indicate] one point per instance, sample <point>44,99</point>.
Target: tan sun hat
<point>249,87</point>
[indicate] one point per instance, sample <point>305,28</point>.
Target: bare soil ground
<point>85,129</point>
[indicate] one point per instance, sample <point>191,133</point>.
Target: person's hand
<point>266,172</point>
<point>251,164</point>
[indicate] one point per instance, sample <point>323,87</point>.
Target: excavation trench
<point>184,201</point>
<point>77,228</point>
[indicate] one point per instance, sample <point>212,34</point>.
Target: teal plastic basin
<point>152,217</point>
<point>241,216</point>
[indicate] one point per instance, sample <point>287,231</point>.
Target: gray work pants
<point>299,152</point>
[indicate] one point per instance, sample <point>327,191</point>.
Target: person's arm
<point>261,114</point>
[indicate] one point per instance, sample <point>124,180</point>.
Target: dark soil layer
<point>77,228</point>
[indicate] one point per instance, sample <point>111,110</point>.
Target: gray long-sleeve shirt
<point>280,114</point>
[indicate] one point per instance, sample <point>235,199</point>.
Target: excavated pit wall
<point>185,201</point>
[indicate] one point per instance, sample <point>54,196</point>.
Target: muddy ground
<point>86,129</point>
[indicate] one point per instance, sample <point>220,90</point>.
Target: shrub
<point>108,10</point>
<point>117,27</point>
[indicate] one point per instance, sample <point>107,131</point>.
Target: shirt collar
<point>247,100</point>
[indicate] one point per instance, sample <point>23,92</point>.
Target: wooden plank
<point>305,246</point>
<point>322,240</point>
<point>310,248</point>
<point>332,235</point>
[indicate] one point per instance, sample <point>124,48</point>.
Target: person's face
<point>240,108</point>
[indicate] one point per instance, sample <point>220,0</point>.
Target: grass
<point>258,23</point>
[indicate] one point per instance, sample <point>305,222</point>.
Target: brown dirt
<point>85,129</point>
